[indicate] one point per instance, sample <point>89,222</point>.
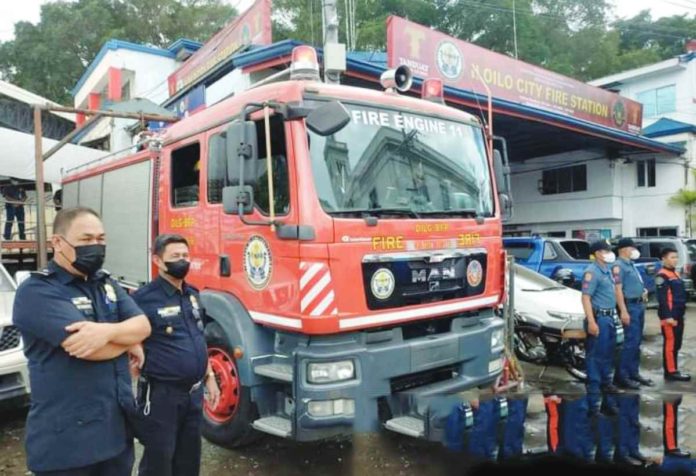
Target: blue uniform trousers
<point>171,433</point>
<point>599,357</point>
<point>633,335</point>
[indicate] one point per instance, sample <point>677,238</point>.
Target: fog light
<point>497,338</point>
<point>327,408</point>
<point>329,372</point>
<point>495,365</point>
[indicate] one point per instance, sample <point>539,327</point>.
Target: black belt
<point>603,312</point>
<point>633,300</point>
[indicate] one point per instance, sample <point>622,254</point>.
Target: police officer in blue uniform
<point>176,370</point>
<point>603,327</point>
<point>78,325</point>
<point>630,297</point>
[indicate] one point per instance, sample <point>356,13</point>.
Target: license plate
<point>495,365</point>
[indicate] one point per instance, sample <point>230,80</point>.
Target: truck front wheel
<point>229,423</point>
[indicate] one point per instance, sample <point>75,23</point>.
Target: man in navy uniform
<point>671,299</point>
<point>77,325</point>
<point>176,366</point>
<point>630,297</point>
<point>604,330</point>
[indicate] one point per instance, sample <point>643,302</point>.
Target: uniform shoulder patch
<point>587,276</point>
<point>616,269</point>
<point>659,280</point>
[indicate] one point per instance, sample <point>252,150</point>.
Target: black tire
<point>237,431</point>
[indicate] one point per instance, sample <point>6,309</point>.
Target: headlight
<point>328,372</point>
<point>565,315</point>
<point>497,338</point>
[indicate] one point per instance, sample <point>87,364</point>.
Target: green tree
<point>685,199</point>
<point>48,58</point>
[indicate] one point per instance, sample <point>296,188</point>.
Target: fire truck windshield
<point>391,162</point>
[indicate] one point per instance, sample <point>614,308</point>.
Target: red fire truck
<point>346,242</point>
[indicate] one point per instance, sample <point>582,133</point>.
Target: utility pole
<point>514,27</point>
<point>334,52</point>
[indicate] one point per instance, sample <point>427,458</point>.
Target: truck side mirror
<point>236,195</point>
<point>328,118</point>
<point>501,172</point>
<point>502,178</point>
<point>242,153</point>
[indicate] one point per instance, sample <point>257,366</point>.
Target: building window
<point>217,169</point>
<point>555,234</point>
<point>185,175</point>
<point>646,173</point>
<point>658,101</point>
<point>658,231</point>
<point>564,180</point>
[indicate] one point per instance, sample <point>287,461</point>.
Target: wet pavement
<point>389,453</point>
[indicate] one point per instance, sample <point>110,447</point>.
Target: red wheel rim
<point>225,371</point>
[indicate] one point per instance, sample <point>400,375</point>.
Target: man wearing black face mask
<point>77,325</point>
<point>170,390</point>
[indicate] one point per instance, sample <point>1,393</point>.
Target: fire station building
<point>583,163</point>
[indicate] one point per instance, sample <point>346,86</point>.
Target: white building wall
<point>613,201</point>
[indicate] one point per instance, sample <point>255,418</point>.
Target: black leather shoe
<point>639,456</point>
<point>609,410</point>
<point>643,381</point>
<point>677,453</point>
<point>628,460</point>
<point>611,388</point>
<point>628,384</point>
<point>678,377</point>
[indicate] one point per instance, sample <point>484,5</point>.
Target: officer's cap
<point>625,243</point>
<point>599,245</point>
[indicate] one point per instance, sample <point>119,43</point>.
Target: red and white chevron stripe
<point>317,296</point>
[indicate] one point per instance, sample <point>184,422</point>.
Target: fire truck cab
<point>346,243</point>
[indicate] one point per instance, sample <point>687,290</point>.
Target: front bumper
<point>14,374</point>
<point>391,369</point>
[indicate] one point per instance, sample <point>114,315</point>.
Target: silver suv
<point>14,376</point>
<point>650,247</point>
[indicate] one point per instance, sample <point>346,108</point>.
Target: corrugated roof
<point>668,127</point>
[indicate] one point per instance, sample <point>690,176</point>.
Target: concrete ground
<point>387,453</point>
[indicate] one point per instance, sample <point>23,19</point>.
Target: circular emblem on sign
<point>619,113</point>
<point>474,273</point>
<point>382,284</point>
<point>257,262</point>
<point>449,60</point>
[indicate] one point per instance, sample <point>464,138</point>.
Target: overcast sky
<point>29,10</point>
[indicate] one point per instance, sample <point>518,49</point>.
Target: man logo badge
<point>383,284</point>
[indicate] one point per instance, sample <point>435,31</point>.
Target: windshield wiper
<point>376,212</point>
<point>464,211</point>
<point>390,211</point>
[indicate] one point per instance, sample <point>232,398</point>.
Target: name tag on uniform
<point>110,292</point>
<point>169,311</point>
<point>82,303</point>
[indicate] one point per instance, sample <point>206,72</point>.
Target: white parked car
<point>14,375</point>
<point>549,322</point>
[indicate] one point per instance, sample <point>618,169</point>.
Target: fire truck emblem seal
<point>382,284</point>
<point>449,60</point>
<point>257,262</point>
<point>474,273</point>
